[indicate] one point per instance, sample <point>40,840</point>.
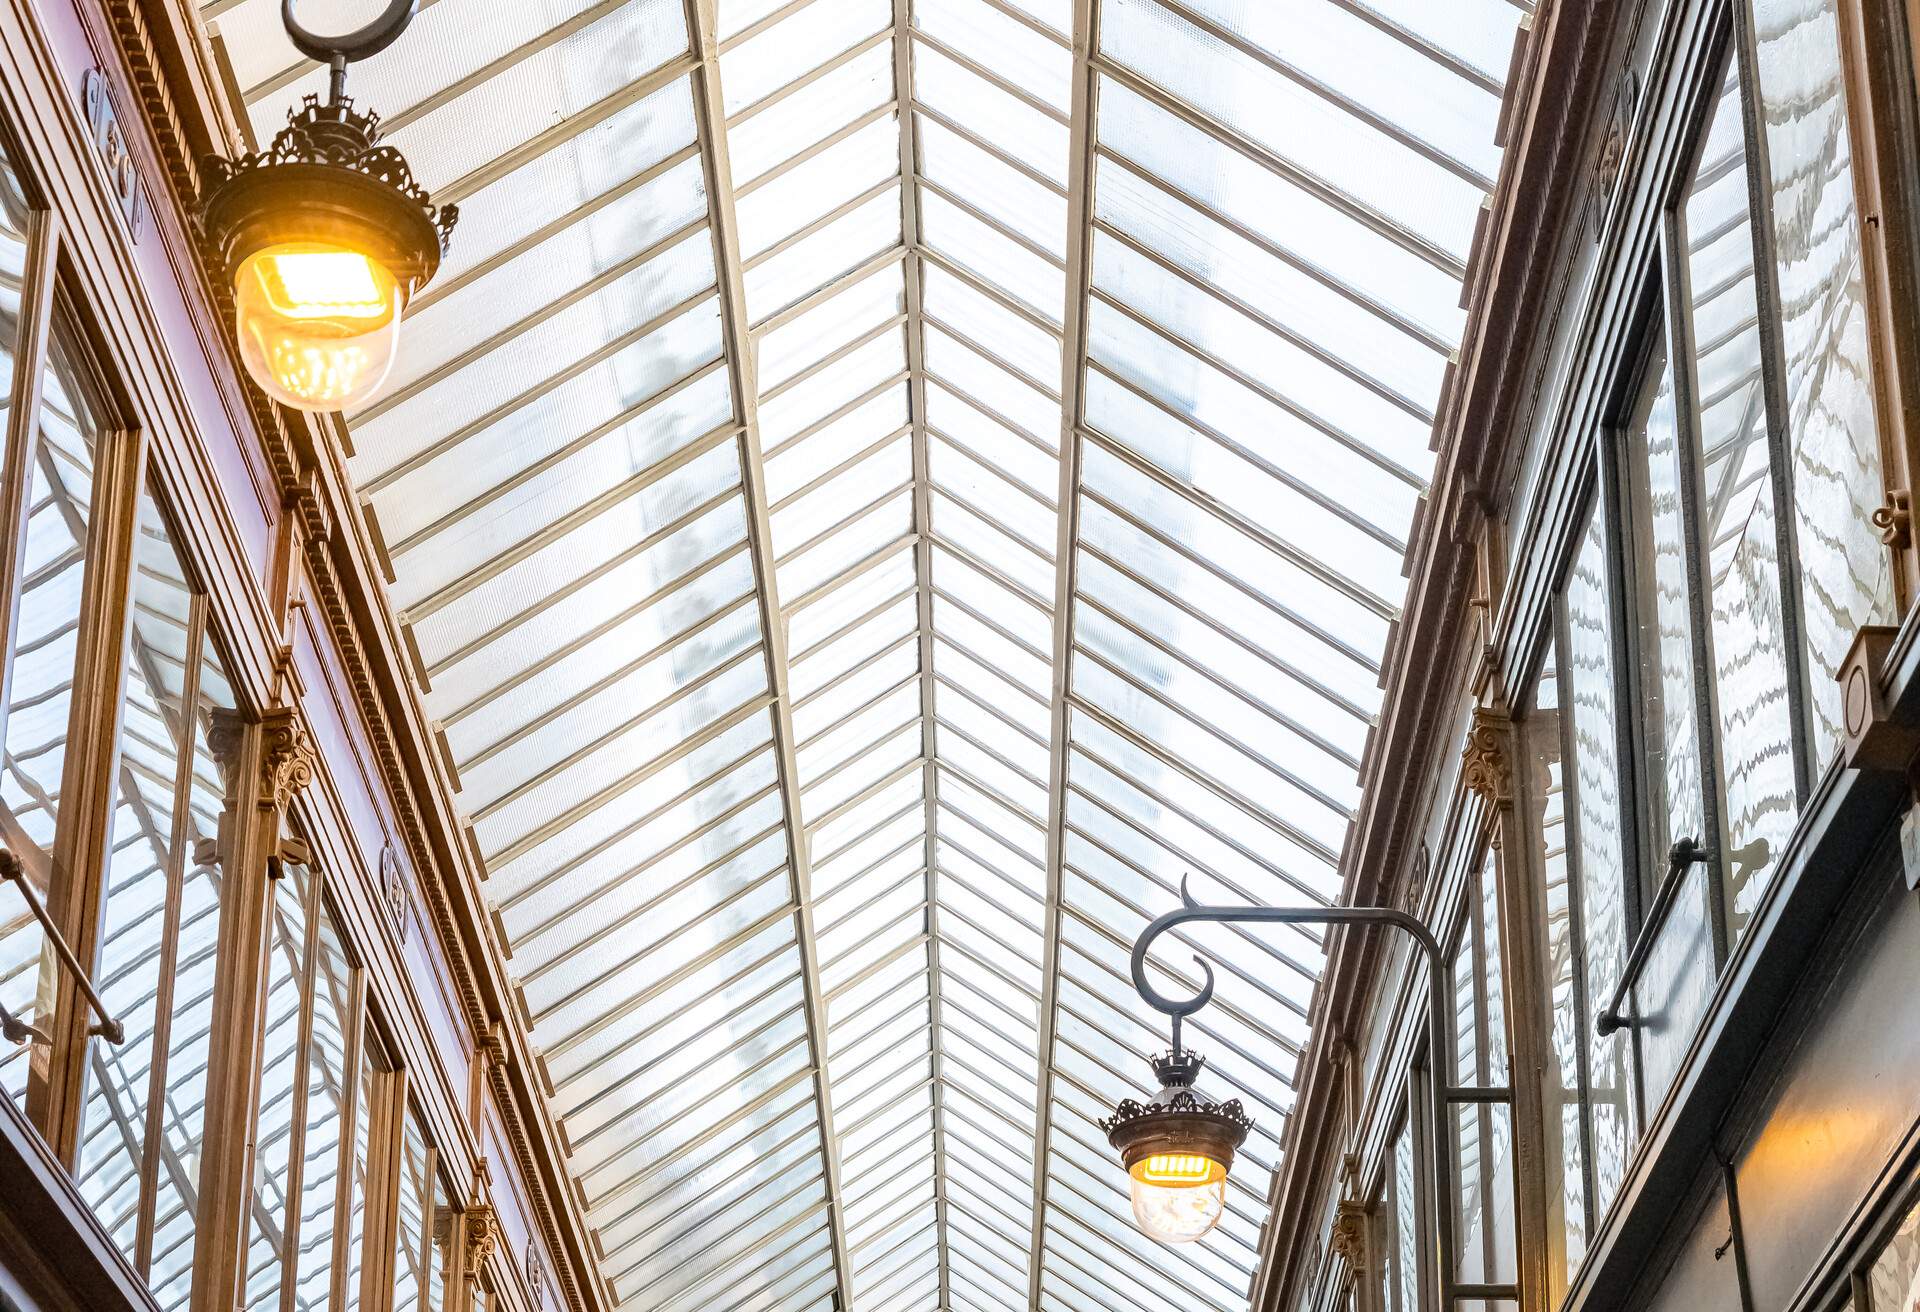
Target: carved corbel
<point>1349,1237</point>
<point>482,1234</point>
<point>1486,763</point>
<point>286,759</point>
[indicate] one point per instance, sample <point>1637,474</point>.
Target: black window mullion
<point>1773,384</point>
<point>1677,291</point>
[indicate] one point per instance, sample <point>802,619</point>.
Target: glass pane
<point>1405,1252</point>
<point>1738,525</point>
<point>1834,444</point>
<point>1894,1281</point>
<point>1482,1145</point>
<point>425,1226</point>
<point>42,649</point>
<point>1661,615</point>
<point>1544,813</point>
<point>282,1093</point>
<point>183,1117</point>
<point>1480,1026</point>
<point>1590,742</point>
<point>321,1194</point>
<point>373,1083</point>
<point>160,927</point>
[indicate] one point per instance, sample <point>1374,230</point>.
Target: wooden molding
<point>1348,1238</point>
<point>287,760</point>
<point>152,35</point>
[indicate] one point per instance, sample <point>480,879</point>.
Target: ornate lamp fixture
<point>1177,1148</point>
<point>325,236</point>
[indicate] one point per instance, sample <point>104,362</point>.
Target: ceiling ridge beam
<point>710,121</point>
<point>914,283</point>
<point>1073,351</point>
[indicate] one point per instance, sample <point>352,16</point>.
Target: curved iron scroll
<point>1442,1094</point>
<point>364,41</point>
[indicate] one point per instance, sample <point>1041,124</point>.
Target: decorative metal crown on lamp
<point>1177,1148</point>
<point>324,236</point>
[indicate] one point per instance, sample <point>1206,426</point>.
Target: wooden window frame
<point>1880,66</point>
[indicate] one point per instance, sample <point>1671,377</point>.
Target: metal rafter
<point>1073,352</point>
<point>923,574</point>
<point>710,122</point>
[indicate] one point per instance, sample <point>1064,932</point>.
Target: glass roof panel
<point>721,482</point>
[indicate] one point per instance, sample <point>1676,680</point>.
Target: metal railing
<point>107,1027</point>
<point>1684,854</point>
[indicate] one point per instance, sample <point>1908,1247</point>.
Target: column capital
<point>1486,762</point>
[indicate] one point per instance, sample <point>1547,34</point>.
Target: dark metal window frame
<point>1664,316</point>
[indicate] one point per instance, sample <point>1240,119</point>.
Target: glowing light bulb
<point>318,325</point>
<point>1178,1197</point>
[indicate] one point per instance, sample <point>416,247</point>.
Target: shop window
<point>1686,701</point>
<point>1745,626</point>
<point>327,1092</point>
<point>1481,1133</point>
<point>1572,805</point>
<point>424,1229</point>
<point>1833,449</point>
<point>144,1115</point>
<point>46,518</point>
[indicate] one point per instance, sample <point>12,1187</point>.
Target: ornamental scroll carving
<point>537,1278</point>
<point>1486,763</point>
<point>286,760</point>
<point>1349,1237</point>
<point>483,1232</point>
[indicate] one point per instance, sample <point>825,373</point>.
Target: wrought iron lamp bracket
<point>336,52</point>
<point>1443,1095</point>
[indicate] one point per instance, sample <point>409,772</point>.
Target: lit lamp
<point>324,237</point>
<point>1177,1148</point>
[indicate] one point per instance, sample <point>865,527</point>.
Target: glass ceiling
<point>823,765</point>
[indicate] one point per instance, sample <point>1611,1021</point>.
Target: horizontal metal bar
<point>988,75</point>
<point>1411,242</point>
<point>578,516</point>
<point>566,129</point>
<point>865,45</point>
<point>1414,329</point>
<point>1332,95</point>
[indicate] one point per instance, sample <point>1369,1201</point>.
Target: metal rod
<point>108,1028</point>
<point>1684,853</point>
<point>1437,1021</point>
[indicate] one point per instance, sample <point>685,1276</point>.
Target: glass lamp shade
<point>1177,1148</point>
<point>1177,1197</point>
<point>319,325</point>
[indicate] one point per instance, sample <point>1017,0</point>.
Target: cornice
<point>1510,289</point>
<point>304,496</point>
